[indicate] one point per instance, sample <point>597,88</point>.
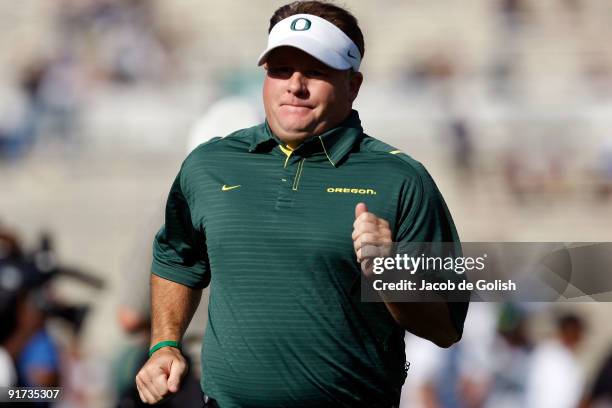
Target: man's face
<point>304,97</point>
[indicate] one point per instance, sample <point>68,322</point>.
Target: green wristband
<point>167,343</point>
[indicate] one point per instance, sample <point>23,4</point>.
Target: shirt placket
<point>291,175</point>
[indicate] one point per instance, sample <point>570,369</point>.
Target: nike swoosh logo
<point>350,55</point>
<point>226,187</point>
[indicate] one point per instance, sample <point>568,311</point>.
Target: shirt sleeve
<point>425,218</point>
<point>179,248</point>
<point>40,353</point>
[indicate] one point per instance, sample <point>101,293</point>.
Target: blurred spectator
<point>26,307</point>
<point>457,377</point>
<point>121,38</point>
<point>425,365</point>
<point>575,7</point>
<point>38,361</point>
<point>597,73</point>
<point>601,392</point>
<point>535,171</point>
<point>8,306</point>
<point>16,122</point>
<point>7,369</point>
<point>60,96</point>
<point>512,351</point>
<point>512,16</point>
<point>435,72</point>
<point>555,379</point>
<point>513,13</point>
<point>474,363</point>
<point>604,187</point>
<point>24,335</point>
<point>462,146</point>
<point>95,42</point>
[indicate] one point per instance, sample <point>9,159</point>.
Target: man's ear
<point>355,81</point>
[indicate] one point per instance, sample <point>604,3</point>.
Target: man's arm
<point>172,307</point>
<point>429,320</point>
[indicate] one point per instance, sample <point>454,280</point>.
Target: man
<point>555,377</point>
<point>273,217</point>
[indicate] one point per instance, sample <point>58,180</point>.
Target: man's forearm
<point>430,320</point>
<point>172,307</point>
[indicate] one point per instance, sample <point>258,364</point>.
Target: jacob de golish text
<point>481,284</point>
<point>450,264</point>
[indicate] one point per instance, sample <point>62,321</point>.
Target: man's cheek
<point>268,90</point>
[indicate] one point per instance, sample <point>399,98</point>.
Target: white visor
<point>317,37</point>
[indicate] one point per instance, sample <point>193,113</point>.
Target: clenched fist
<point>161,375</point>
<point>373,231</point>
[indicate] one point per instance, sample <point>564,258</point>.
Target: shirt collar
<point>335,143</point>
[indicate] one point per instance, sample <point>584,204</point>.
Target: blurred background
<point>508,103</point>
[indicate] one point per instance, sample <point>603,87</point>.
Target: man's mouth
<point>295,108</point>
<point>296,105</point>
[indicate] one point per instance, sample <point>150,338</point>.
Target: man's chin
<point>297,135</point>
<point>294,136</point>
<point>298,129</point>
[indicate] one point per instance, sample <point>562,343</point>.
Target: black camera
<point>23,275</point>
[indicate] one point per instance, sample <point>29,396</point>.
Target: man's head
<point>312,62</point>
<point>571,330</point>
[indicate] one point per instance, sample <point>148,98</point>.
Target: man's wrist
<point>164,343</point>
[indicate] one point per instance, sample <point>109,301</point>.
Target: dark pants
<point>209,402</point>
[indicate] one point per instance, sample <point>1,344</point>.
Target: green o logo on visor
<point>300,24</point>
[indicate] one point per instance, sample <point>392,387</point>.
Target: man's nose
<point>297,83</point>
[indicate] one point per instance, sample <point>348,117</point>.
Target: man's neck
<point>295,142</point>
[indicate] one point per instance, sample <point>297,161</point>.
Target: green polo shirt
<point>270,230</point>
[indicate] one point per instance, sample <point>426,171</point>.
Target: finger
<point>383,235</point>
<point>367,252</point>
<point>150,385</point>
<point>357,244</point>
<point>177,369</point>
<point>383,223</point>
<point>149,397</point>
<point>367,267</point>
<point>366,217</point>
<point>380,228</point>
<point>145,394</point>
<point>160,385</point>
<point>366,239</point>
<point>360,208</point>
<point>370,218</point>
<point>361,250</point>
<point>363,241</point>
<point>363,227</point>
<point>144,397</point>
<point>140,394</point>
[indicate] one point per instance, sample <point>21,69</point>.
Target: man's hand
<point>161,375</point>
<point>369,229</point>
<point>430,320</point>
